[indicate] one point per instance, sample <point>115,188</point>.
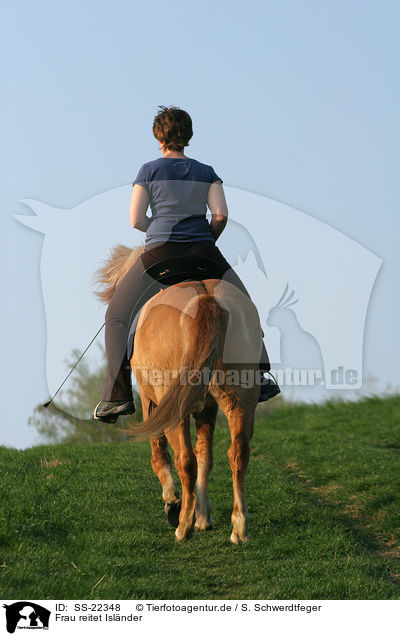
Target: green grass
<point>322,492</point>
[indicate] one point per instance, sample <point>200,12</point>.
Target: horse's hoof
<point>235,538</point>
<point>183,535</point>
<point>204,524</point>
<point>172,510</point>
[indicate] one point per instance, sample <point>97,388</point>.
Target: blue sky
<point>296,101</point>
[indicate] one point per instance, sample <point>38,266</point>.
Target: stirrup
<point>269,388</point>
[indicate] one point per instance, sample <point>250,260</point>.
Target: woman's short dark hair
<point>173,127</point>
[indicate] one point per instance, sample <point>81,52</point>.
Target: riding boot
<point>264,360</point>
<point>269,387</point>
<point>117,394</point>
<point>118,386</point>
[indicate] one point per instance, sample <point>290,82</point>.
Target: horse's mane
<point>118,263</point>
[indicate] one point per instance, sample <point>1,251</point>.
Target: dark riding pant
<point>133,292</point>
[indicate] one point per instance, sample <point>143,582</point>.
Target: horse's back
<point>169,321</point>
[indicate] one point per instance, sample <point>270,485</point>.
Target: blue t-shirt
<point>178,189</point>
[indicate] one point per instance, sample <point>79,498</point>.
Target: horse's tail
<point>204,337</point>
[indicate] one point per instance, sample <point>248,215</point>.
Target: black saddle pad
<point>180,268</point>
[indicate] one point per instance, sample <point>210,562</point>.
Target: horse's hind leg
<point>162,466</point>
<point>205,424</point>
<point>185,462</point>
<point>241,423</point>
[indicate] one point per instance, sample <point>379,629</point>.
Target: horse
<point>188,340</point>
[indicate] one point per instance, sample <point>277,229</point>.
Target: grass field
<point>87,521</point>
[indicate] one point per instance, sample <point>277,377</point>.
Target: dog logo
<point>26,615</point>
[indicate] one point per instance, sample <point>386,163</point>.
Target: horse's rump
<point>172,339</point>
<point>185,329</point>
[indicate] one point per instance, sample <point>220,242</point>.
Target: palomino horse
<point>188,340</point>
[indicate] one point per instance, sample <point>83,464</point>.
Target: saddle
<point>170,271</point>
<point>178,269</point>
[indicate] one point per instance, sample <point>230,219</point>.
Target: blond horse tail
<point>204,341</point>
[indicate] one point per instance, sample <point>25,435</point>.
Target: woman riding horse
<point>178,190</point>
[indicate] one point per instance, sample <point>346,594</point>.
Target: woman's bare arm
<point>219,209</point>
<point>137,210</point>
